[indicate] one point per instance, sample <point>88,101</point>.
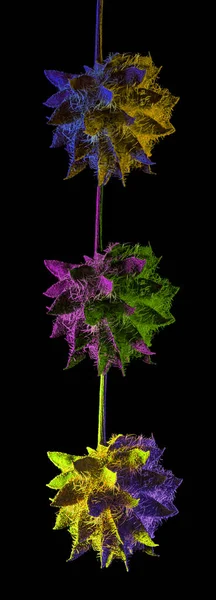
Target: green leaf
<point>134,290</point>
<point>75,359</point>
<point>94,312</point>
<point>103,309</point>
<point>58,482</point>
<point>124,335</point>
<point>146,315</point>
<point>82,340</point>
<point>106,352</point>
<point>62,460</point>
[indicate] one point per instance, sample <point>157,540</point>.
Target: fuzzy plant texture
<point>110,306</point>
<point>114,498</point>
<point>110,117</point>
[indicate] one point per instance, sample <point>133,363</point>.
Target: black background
<point>160,210</point>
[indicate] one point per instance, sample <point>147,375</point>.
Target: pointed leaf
<point>58,78</point>
<point>118,553</point>
<point>58,482</point>
<point>63,305</point>
<point>83,272</point>
<point>64,114</point>
<point>106,159</point>
<point>62,460</point>
<point>82,82</point>
<point>58,268</point>
<point>78,550</point>
<point>151,479</point>
<point>76,168</point>
<point>147,125</point>
<point>154,509</point>
<point>88,464</point>
<point>132,75</point>
<point>146,314</point>
<point>57,288</point>
<point>143,538</point>
<point>142,157</point>
<point>86,527</point>
<point>74,360</point>
<point>137,457</point>
<point>57,99</point>
<point>69,495</point>
<point>109,477</point>
<point>149,96</point>
<point>63,518</point>
<point>59,138</point>
<point>105,95</point>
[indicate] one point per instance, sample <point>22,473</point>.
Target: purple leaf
<point>140,346</point>
<point>58,268</point>
<point>132,265</point>
<point>88,70</point>
<point>58,288</point>
<point>59,327</point>
<point>133,75</point>
<point>141,157</point>
<point>57,99</point>
<point>58,78</point>
<point>152,508</point>
<point>105,285</point>
<point>64,114</point>
<point>105,95</point>
<point>59,138</point>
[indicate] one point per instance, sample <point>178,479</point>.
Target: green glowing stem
<point>98,57</point>
<point>102,411</point>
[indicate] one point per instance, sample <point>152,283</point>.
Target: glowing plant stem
<point>98,31</point>
<point>101,218</point>
<point>97,219</point>
<point>102,410</point>
<point>103,378</point>
<point>98,57</point>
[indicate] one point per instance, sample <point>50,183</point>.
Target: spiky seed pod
<point>110,306</point>
<point>110,117</point>
<point>114,498</point>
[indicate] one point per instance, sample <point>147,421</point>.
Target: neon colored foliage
<point>114,498</point>
<point>110,117</point>
<point>110,306</point>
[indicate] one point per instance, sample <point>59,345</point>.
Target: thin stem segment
<point>98,57</point>
<point>102,410</point>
